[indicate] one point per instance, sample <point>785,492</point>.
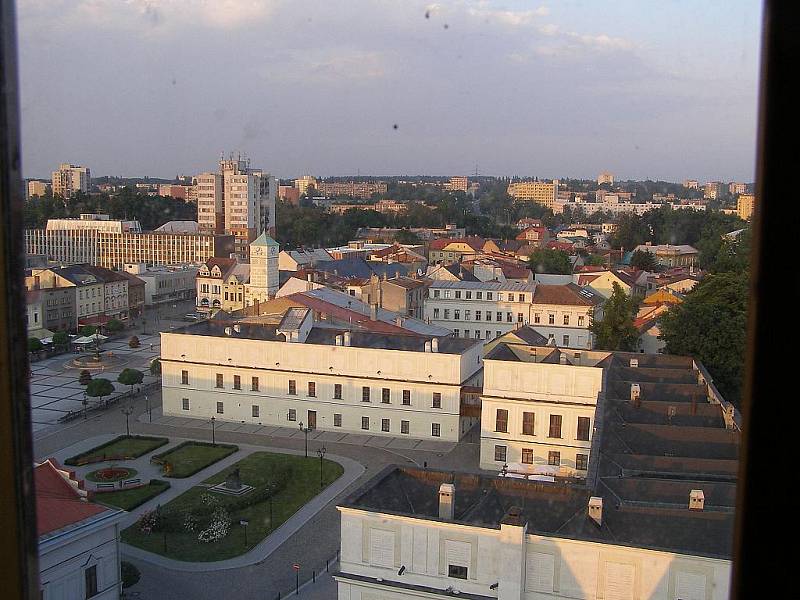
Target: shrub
<point>130,574</point>
<point>85,377</point>
<point>35,344</point>
<point>134,342</point>
<point>155,367</point>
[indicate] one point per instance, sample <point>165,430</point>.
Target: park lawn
<point>255,470</point>
<point>130,499</point>
<point>132,446</point>
<point>189,458</point>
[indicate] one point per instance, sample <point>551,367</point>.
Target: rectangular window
<point>220,408</point>
<point>478,295</point>
<point>292,387</point>
<point>511,297</point>
<point>312,389</point>
<point>581,462</point>
<point>254,384</point>
<point>566,319</point>
<point>185,403</point>
<point>407,397</point>
<point>292,414</point>
<point>219,380</point>
<point>499,316</point>
<point>446,313</point>
<point>527,456</point>
<point>551,319</point>
<point>554,458</point>
<point>528,423</point>
<point>501,420</point>
<point>337,419</point>
<point>457,332</point>
<point>509,317</point>
<point>458,294</point>
<point>404,427</point>
<point>437,400</point>
<point>337,391</point>
<point>90,581</point>
<point>488,295</point>
<point>435,293</point>
<point>456,314</point>
<point>477,315</point>
<point>365,394</point>
<point>488,315</point>
<point>537,318</point>
<point>500,453</point>
<point>385,425</point>
<point>237,382</point>
<point>520,318</point>
<point>468,295</point>
<point>467,315</point>
<point>555,426</point>
<point>436,429</point>
<point>255,410</point>
<point>365,423</point>
<point>580,321</point>
<point>566,340</point>
<point>386,396</point>
<point>466,333</point>
<point>583,428</point>
<point>477,334</point>
<point>435,313</point>
<point>184,377</point>
<point>457,571</point>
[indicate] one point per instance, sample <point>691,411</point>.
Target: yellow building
<point>745,205</point>
<point>537,191</point>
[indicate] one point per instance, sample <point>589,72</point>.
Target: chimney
<point>435,345</point>
<point>339,339</point>
<point>427,346</point>
<point>346,338</point>
<point>373,312</point>
<point>697,500</point>
<point>634,363</point>
<point>636,393</point>
<point>596,510</point>
<point>447,501</point>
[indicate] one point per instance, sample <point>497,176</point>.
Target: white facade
<point>509,563</point>
<point>350,389</point>
<point>165,284</point>
<point>535,413</point>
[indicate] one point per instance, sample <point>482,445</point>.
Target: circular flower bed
<point>111,474</point>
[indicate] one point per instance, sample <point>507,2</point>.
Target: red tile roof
<point>476,243</point>
<point>569,294</point>
<point>58,502</point>
<point>344,314</point>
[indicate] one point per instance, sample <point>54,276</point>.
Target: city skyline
<point>558,90</point>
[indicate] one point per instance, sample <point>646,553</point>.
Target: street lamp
<point>149,410</point>
<point>213,438</point>
<point>321,454</point>
<point>127,412</point>
<point>85,405</point>
<point>306,430</point>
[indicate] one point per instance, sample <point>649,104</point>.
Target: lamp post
<point>213,433</point>
<point>128,411</point>
<point>321,454</point>
<point>149,410</point>
<point>85,405</point>
<point>305,430</point>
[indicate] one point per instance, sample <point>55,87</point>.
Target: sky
<point>645,89</point>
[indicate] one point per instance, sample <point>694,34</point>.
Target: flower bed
<point>111,474</point>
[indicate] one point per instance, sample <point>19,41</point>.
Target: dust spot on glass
<point>394,126</point>
<point>427,14</point>
<point>446,26</point>
<point>174,81</point>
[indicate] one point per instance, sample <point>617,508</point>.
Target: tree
<point>133,342</point>
<point>155,367</point>
<point>594,260</point>
<point>547,260</point>
<point>615,331</point>
<point>630,232</point>
<point>130,377</point>
<point>35,344</point>
<point>99,388</point>
<point>644,260</point>
<point>710,325</point>
<point>404,236</point>
<point>60,339</point>
<point>85,377</point>
<point>114,326</point>
<point>88,330</point>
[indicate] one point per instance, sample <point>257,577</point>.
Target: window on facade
<point>437,400</point>
<point>477,315</point>
<point>582,462</point>
<point>537,318</point>
<point>220,408</point>
<point>527,456</point>
<point>467,315</point>
<point>488,315</point>
<point>457,571</point>
<point>185,403</point>
<point>407,397</point>
<point>458,294</point>
<point>292,414</point>
<point>551,319</point>
<point>566,319</point>
<point>436,429</point>
<point>499,316</point>
<point>477,334</point>
<point>312,389</point>
<point>90,581</point>
<point>478,295</point>
<point>457,332</point>
<point>254,384</point>
<point>501,420</point>
<point>500,453</point>
<point>580,321</point>
<point>337,391</point>
<point>555,426</point>
<point>365,394</point>
<point>468,295</point>
<point>255,410</point>
<point>566,340</point>
<point>337,419</point>
<point>364,422</point>
<point>219,380</point>
<point>237,382</point>
<point>404,427</point>
<point>488,295</point>
<point>554,458</point>
<point>435,293</point>
<point>185,377</point>
<point>583,428</point>
<point>528,423</point>
<point>386,396</point>
<point>446,313</point>
<point>292,387</point>
<point>456,314</point>
<point>435,313</point>
<point>510,298</point>
<point>520,318</point>
<point>466,333</point>
<point>385,425</point>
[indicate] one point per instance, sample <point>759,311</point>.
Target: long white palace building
<point>327,378</point>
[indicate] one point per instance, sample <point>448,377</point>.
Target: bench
<point>131,482</point>
<point>105,486</point>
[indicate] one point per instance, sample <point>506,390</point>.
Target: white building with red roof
<point>78,539</point>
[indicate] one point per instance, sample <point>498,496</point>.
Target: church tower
<point>263,269</point>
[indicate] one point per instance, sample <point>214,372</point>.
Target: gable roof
<point>264,240</point>
<point>569,294</point>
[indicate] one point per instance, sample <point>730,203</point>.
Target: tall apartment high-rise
<point>238,200</point>
<point>69,179</point>
<point>605,177</point>
<point>538,191</point>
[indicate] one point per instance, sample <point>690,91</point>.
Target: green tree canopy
<point>88,330</point>
<point>98,388</point>
<point>710,325</point>
<point>60,338</point>
<point>114,325</point>
<point>547,260</point>
<point>34,344</point>
<point>644,260</point>
<point>130,377</point>
<point>85,377</point>
<point>615,331</point>
<point>404,236</point>
<point>134,342</point>
<point>155,367</point>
